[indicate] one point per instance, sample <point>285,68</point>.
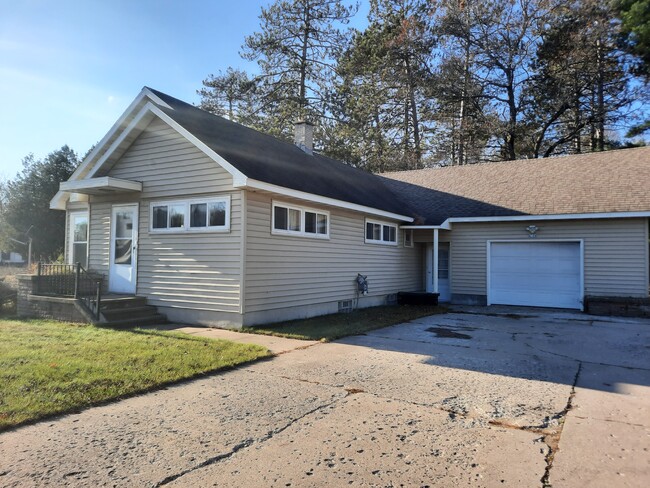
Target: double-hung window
<point>381,233</point>
<point>78,238</point>
<point>199,215</point>
<point>300,221</point>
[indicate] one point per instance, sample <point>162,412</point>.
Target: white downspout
<point>435,261</point>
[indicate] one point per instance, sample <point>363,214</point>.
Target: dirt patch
<point>447,333</point>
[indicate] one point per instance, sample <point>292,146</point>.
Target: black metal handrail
<point>70,280</point>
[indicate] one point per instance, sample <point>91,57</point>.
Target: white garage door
<point>538,274</point>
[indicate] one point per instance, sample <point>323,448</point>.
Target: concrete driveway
<point>528,400</point>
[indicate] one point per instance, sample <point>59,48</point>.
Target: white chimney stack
<point>304,136</point>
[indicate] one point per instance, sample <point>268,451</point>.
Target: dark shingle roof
<point>265,158</point>
<point>612,181</point>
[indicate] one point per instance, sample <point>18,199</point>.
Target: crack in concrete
<point>244,444</point>
<point>582,361</point>
<point>614,421</point>
<point>552,441</point>
<point>543,429</point>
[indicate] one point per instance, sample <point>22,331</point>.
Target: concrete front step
<point>129,311</point>
<point>121,302</point>
<point>156,319</point>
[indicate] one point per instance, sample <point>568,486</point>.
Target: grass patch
<point>49,367</point>
<point>335,326</point>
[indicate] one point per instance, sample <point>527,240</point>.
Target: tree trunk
<point>600,107</point>
<point>414,115</point>
<point>303,65</point>
<point>462,158</point>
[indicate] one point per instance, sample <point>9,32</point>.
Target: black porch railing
<point>70,280</point>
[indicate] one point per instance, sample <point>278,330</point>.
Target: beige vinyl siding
<point>615,253</point>
<point>291,271</point>
<point>197,270</point>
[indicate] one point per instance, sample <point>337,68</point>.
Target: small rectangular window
<point>160,217</point>
<point>195,215</point>
<point>281,218</point>
<point>199,215</point>
<point>381,233</point>
<point>294,220</point>
<point>176,216</point>
<point>217,214</point>
<point>322,224</point>
<point>310,222</point>
<point>299,221</point>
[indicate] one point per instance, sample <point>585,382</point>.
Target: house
<point>217,224</point>
<point>11,259</point>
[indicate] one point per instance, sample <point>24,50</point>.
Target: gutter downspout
<point>435,261</point>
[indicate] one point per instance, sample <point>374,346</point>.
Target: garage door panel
<point>543,274</point>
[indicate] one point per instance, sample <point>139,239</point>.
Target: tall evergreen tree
<point>385,75</point>
<point>296,49</point>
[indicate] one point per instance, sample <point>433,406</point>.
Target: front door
<point>124,241</point>
<point>444,288</point>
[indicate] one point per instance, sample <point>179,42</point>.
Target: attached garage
<point>535,273</point>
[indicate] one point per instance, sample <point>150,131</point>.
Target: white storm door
<point>123,251</point>
<point>444,288</point>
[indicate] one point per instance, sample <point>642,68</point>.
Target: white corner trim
<point>101,182</point>
<point>311,197</point>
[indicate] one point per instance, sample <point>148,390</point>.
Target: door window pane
<point>123,224</point>
<point>217,214</point>
<point>160,217</point>
<point>310,222</point>
<point>123,251</point>
<point>198,214</point>
<point>443,264</point>
<point>176,216</point>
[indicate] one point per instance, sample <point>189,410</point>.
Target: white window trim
<point>381,242</point>
<point>410,232</point>
<point>302,210</point>
<point>71,241</point>
<point>186,220</point>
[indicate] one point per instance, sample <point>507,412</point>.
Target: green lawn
<point>49,367</point>
<point>335,326</point>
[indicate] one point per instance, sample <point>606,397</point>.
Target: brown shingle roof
<point>611,181</point>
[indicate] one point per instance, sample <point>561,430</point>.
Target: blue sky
<point>69,68</point>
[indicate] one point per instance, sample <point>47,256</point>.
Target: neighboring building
<point>218,224</point>
<point>11,258</point>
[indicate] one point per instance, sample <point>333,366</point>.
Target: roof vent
<point>304,136</point>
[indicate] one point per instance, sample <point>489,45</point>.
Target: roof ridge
<point>521,161</point>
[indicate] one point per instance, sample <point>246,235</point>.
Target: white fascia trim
<point>155,98</point>
<point>425,227</point>
<point>58,201</point>
<point>310,197</point>
<point>101,182</point>
<point>101,144</point>
<point>446,225</point>
<point>238,176</point>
